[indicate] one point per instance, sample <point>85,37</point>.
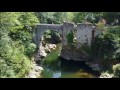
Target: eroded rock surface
<point>35,72</point>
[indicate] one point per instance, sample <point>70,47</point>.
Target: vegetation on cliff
<point>16,45</point>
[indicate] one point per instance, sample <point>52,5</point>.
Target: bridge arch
<point>63,29</point>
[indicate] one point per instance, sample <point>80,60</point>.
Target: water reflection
<point>55,67</point>
<point>75,69</point>
<point>50,72</point>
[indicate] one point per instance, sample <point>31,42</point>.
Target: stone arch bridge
<point>84,34</point>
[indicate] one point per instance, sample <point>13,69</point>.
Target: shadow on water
<point>55,67</point>
<point>76,69</point>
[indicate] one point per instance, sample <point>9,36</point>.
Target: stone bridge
<point>84,34</point>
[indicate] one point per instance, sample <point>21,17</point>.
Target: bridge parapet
<point>50,26</point>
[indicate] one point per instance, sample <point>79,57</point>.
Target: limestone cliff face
<point>73,53</point>
<point>44,50</point>
<point>35,72</point>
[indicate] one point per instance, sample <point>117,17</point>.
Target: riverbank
<point>35,71</point>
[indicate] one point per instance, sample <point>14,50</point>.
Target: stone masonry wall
<point>84,34</point>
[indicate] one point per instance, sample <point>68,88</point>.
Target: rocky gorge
<point>83,33</point>
<point>76,43</point>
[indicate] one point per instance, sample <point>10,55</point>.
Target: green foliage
<point>54,17</point>
<point>92,17</point>
<point>79,17</point>
<point>20,63</point>
<point>51,36</point>
<point>16,45</point>
<point>106,47</point>
<point>70,37</point>
<point>111,16</point>
<point>24,35</point>
<point>52,58</point>
<point>115,30</point>
<point>45,17</point>
<point>116,70</point>
<point>5,70</point>
<point>30,49</point>
<point>13,62</point>
<point>58,17</point>
<point>47,34</point>
<point>100,25</point>
<point>15,41</point>
<point>69,16</point>
<point>8,20</point>
<point>28,19</point>
<point>113,72</point>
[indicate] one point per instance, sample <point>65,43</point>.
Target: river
<point>55,67</point>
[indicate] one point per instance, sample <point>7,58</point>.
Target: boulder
<point>35,72</point>
<point>32,74</point>
<point>52,46</point>
<point>47,50</point>
<point>72,53</point>
<point>42,52</point>
<point>106,75</point>
<point>94,66</point>
<point>38,68</point>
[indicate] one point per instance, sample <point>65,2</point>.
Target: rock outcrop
<point>106,75</point>
<point>94,66</point>
<point>35,72</point>
<point>71,53</point>
<point>51,46</point>
<point>44,50</point>
<point>47,49</point>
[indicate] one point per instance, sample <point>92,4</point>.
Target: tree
<point>79,17</point>
<point>13,60</point>
<point>92,17</point>
<point>116,70</point>
<point>52,17</point>
<point>45,17</point>
<point>112,17</point>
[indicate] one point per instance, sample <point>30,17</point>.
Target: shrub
<point>51,36</point>
<point>116,70</point>
<point>15,36</point>
<point>106,47</point>
<point>70,37</point>
<point>14,64</point>
<point>115,30</point>
<point>30,49</point>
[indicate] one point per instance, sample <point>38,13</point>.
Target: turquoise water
<point>55,67</point>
